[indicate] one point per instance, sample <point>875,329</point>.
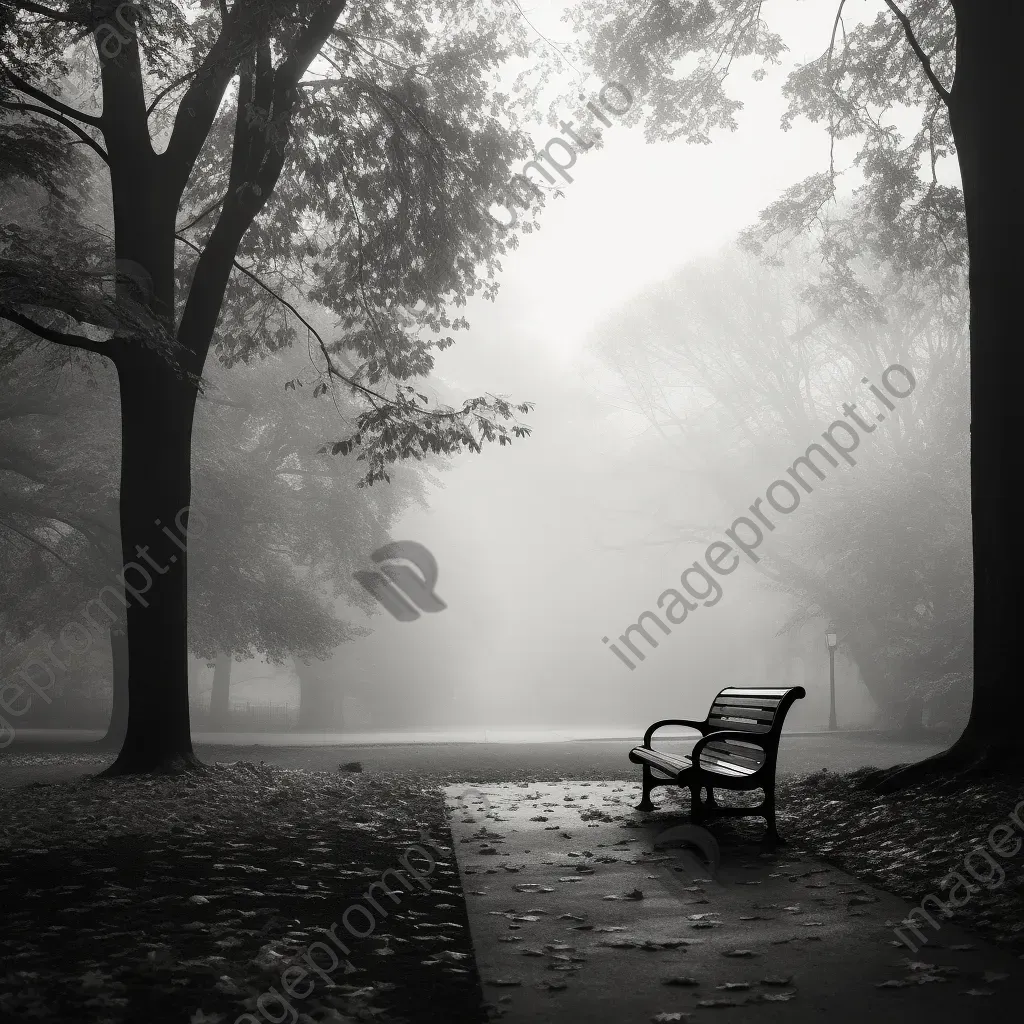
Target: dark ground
<point>102,923</point>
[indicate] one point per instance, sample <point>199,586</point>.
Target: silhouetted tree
<point>354,150</point>
<point>956,62</point>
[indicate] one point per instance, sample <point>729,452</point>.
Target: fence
<point>245,716</point>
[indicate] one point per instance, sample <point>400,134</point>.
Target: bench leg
<point>648,784</point>
<point>772,836</point>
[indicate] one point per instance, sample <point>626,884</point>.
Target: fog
<point>564,538</point>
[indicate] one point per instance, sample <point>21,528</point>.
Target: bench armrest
<point>701,727</point>
<point>759,739</point>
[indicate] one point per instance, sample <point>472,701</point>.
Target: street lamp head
<point>830,639</point>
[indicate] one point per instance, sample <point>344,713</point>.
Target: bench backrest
<point>754,709</point>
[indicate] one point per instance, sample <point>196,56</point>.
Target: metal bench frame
<point>766,709</point>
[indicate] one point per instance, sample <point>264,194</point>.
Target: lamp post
<point>831,639</point>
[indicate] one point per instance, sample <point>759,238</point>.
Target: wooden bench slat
<point>746,705</point>
<point>729,754</point>
<point>673,763</point>
<point>750,751</point>
<point>752,691</point>
<point>673,766</point>
<point>759,714</point>
<point>736,725</point>
<point>721,768</point>
<point>768,703</point>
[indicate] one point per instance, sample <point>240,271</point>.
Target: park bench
<point>738,748</point>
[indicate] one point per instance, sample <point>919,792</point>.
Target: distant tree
<point>734,370</point>
<point>284,528</point>
<point>354,150</point>
<point>954,61</point>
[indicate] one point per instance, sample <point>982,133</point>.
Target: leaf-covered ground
<point>105,883</point>
<point>183,899</point>
<point>908,841</point>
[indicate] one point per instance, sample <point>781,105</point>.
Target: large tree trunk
<point>157,406</point>
<point>194,694</point>
<point>220,693</point>
<point>319,698</point>
<point>987,95</point>
<point>118,726</point>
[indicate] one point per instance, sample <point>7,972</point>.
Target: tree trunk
<point>912,721</point>
<point>220,693</point>
<point>118,726</point>
<point>319,698</point>
<point>988,84</point>
<point>157,407</point>
<point>193,683</point>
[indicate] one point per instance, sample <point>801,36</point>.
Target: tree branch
<point>35,540</point>
<point>37,94</point>
<point>58,337</point>
<point>61,119</point>
<point>199,105</point>
<point>921,55</point>
<point>46,12</point>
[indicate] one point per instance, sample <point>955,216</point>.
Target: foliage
<point>284,527</point>
<point>681,54</point>
<point>365,185</point>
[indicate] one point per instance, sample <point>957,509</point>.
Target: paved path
<point>490,762</point>
<point>770,938</point>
